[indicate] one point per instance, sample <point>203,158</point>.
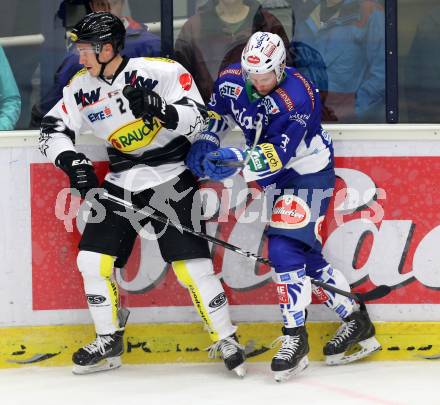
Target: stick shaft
<point>381,290</point>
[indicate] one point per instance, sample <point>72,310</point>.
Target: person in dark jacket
<point>215,36</point>
<point>422,67</point>
<point>350,37</point>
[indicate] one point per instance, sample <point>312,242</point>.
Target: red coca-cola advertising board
<point>382,228</point>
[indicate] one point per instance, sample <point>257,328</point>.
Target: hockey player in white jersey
<point>144,109</point>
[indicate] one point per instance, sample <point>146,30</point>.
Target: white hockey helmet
<point>263,53</point>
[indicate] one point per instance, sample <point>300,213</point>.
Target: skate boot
<point>103,353</point>
<point>291,358</point>
<point>356,329</point>
<point>231,352</point>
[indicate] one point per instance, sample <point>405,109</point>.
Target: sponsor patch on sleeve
<point>272,157</point>
<point>185,80</point>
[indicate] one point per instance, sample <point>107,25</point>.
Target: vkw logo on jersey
<point>270,105</point>
<point>290,212</point>
<point>134,135</point>
<point>218,301</point>
<point>134,80</point>
<point>229,89</point>
<point>100,115</point>
<point>86,99</point>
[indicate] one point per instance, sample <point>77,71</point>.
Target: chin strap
<point>104,65</point>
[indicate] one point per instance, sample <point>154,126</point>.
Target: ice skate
<point>104,353</point>
<point>101,355</point>
<point>356,329</point>
<point>232,354</point>
<point>291,358</point>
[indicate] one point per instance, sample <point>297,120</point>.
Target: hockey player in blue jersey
<point>291,157</point>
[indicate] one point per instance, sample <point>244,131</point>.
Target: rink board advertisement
<point>383,227</point>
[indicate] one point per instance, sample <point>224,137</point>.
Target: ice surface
<point>380,383</point>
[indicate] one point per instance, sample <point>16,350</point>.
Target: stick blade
<point>375,294</point>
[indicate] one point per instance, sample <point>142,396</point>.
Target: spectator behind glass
<point>422,70</point>
<point>215,36</point>
<point>282,10</point>
<point>138,42</point>
<point>350,37</point>
<point>10,101</point>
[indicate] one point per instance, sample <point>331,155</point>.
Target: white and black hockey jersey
<point>154,155</point>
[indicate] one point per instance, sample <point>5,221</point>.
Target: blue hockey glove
<point>216,163</point>
<point>206,142</point>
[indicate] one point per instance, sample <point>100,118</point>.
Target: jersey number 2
<point>121,105</point>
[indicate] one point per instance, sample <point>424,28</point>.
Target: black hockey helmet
<point>99,29</point>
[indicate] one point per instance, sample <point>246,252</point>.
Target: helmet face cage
<point>96,47</point>
<point>264,52</point>
<point>98,29</point>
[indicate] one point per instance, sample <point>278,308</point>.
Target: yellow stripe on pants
<point>183,274</point>
<point>106,271</point>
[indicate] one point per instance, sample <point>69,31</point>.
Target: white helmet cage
<point>263,53</point>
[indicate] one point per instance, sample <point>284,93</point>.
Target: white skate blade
<point>368,346</point>
<point>281,376</point>
<point>240,370</point>
<point>104,365</point>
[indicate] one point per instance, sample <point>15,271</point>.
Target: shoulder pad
<point>81,72</point>
<point>160,59</point>
<point>231,72</point>
<point>307,86</point>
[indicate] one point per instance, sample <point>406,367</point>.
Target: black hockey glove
<point>79,169</point>
<point>146,104</point>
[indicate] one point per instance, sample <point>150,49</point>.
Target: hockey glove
<point>216,163</point>
<point>80,171</point>
<point>147,104</point>
<point>205,142</point>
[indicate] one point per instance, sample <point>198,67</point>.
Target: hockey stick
<point>374,294</point>
<point>234,163</point>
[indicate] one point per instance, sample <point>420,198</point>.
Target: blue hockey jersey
<point>292,140</point>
